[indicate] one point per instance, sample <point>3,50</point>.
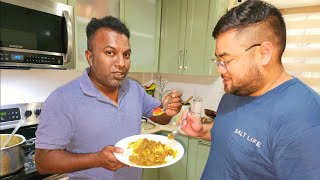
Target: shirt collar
<point>90,89</point>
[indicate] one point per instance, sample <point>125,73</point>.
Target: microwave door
<point>35,36</point>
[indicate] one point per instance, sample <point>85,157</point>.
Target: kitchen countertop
<point>158,127</point>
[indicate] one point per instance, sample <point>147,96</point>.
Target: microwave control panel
<point>22,57</point>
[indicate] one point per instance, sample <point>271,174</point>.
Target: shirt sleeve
<point>298,157</point>
<point>55,128</point>
<point>148,102</point>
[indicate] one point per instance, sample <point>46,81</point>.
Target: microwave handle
<point>70,37</point>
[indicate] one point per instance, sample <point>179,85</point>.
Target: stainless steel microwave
<point>36,34</point>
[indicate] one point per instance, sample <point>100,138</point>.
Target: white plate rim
<point>123,143</point>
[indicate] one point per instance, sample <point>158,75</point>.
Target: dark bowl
<point>210,113</point>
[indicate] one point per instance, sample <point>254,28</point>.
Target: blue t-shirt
<point>79,118</point>
<point>273,136</point>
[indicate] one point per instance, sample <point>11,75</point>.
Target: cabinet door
<point>217,9</point>
<point>150,174</point>
<point>143,20</point>
<point>61,1</point>
<point>196,37</point>
<point>203,150</point>
<point>197,157</point>
<point>173,22</point>
<point>84,10</point>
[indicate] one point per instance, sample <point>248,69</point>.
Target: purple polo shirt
<point>78,118</point>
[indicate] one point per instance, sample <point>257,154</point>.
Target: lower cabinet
<point>197,157</point>
<point>190,167</point>
<point>150,174</point>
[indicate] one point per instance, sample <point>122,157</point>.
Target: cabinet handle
<point>204,143</point>
<point>179,60</point>
<point>185,59</point>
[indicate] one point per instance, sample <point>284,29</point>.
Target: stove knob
<point>37,111</point>
<point>28,113</point>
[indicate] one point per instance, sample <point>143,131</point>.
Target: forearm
<point>61,161</point>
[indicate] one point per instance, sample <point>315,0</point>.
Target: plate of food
<point>149,151</point>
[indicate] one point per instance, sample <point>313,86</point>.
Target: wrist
<point>97,161</point>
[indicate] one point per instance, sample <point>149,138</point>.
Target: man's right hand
<point>108,160</point>
<point>192,124</point>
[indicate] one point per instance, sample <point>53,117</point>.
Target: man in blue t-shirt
<point>268,122</point>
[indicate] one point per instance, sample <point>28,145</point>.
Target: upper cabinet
<point>142,17</point>
<point>61,1</point>
<point>186,44</point>
<point>84,11</point>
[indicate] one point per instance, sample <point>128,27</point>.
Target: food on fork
<point>157,111</point>
<point>170,136</point>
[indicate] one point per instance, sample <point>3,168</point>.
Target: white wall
<point>24,86</point>
<point>210,93</point>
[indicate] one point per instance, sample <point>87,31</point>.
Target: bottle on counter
<point>197,106</point>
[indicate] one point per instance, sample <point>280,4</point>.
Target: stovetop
<point>10,116</point>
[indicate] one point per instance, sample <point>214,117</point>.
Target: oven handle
<point>70,37</point>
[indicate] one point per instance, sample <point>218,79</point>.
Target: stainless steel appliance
<point>36,34</point>
<point>9,117</point>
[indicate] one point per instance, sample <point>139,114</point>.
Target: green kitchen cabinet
<point>61,1</point>
<point>84,11</point>
<point>186,44</point>
<point>143,20</point>
<point>197,157</point>
<point>150,174</point>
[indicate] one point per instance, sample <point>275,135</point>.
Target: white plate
<point>124,157</point>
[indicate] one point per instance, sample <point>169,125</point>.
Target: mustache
<point>121,70</point>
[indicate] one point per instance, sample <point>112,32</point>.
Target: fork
<point>176,132</point>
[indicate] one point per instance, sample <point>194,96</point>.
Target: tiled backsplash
<point>20,86</point>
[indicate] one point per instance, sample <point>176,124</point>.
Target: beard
<point>109,80</point>
<point>248,84</point>
<point>115,81</point>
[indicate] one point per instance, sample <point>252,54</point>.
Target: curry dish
<point>150,153</point>
<point>13,141</point>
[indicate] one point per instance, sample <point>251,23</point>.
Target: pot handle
<point>30,142</point>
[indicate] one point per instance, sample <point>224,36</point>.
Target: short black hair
<point>109,22</point>
<point>266,18</point>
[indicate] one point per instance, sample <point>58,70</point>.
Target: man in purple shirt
<point>81,121</point>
